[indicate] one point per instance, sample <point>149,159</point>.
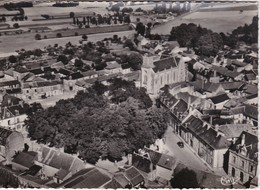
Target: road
<point>183,155</point>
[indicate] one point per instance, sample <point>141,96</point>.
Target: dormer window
<point>16,112</point>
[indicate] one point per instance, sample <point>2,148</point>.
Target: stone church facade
<point>157,72</point>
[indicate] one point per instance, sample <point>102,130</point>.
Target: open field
<point>216,21</point>
<point>87,31</point>
<point>9,44</point>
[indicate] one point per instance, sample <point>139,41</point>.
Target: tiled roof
<point>251,145</point>
<point>164,64</point>
<point>91,179</point>
<point>251,76</point>
<point>13,100</point>
<point>232,85</point>
<point>234,130</point>
<point>251,89</point>
<point>20,69</point>
<point>141,163</point>
<point>185,96</point>
<point>113,66</point>
<point>10,83</point>
<point>168,99</point>
<point>17,108</point>
<point>225,72</point>
<point>76,75</point>
<point>219,98</point>
<point>209,136</point>
<point>155,156</point>
<point>180,107</point>
<point>61,174</point>
<point>41,84</point>
<point>33,170</point>
<point>65,71</point>
<point>25,159</point>
<point>121,179</point>
<point>113,184</point>
<point>14,91</point>
<point>134,176</point>
<point>167,162</point>
<point>251,111</point>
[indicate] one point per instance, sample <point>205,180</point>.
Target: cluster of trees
<point>15,6</point>
<point>246,33</point>
<point>67,4</point>
<point>177,8</point>
<point>133,60</point>
<point>19,18</point>
<point>8,179</point>
<point>94,126</point>
<point>99,20</point>
<point>186,178</point>
<point>203,41</point>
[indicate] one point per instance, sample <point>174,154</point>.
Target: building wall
<point>18,167</point>
<point>219,158</point>
<point>15,123</point>
<point>235,164</point>
<point>47,170</point>
<point>14,143</point>
<point>163,172</point>
<point>35,93</point>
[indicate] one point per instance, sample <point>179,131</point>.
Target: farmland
<point>216,21</point>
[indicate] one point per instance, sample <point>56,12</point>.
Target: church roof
<point>165,64</point>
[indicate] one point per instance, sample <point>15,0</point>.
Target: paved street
<point>184,155</point>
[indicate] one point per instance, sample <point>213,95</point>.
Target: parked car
<point>180,144</point>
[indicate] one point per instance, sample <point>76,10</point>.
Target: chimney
<point>129,157</point>
<point>215,73</point>
<point>148,60</point>
<point>9,101</point>
<point>243,139</point>
<point>211,120</point>
<point>203,83</point>
<point>167,161</point>
<point>21,103</point>
<point>216,127</point>
<point>39,153</point>
<point>189,101</point>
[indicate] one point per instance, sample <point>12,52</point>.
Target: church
<point>156,72</point>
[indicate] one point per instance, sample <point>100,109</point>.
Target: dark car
<point>180,144</point>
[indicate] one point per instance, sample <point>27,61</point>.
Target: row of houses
<point>211,142</point>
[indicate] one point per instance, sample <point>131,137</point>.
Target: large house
<point>156,72</point>
<point>243,158</point>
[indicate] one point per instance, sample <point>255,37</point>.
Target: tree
<point>85,37</point>
<point>115,8</point>
<point>37,37</point>
<point>78,63</point>
<point>63,59</point>
<point>72,14</point>
<point>135,61</point>
<point>16,25</point>
<point>58,35</point>
<point>186,178</point>
<point>84,20</point>
<point>140,28</point>
<point>12,59</point>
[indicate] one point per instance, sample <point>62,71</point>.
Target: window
<point>251,168</point>
<point>27,91</point>
<point>241,176</point>
<point>18,120</point>
<point>234,159</point>
<point>8,122</point>
<point>233,172</point>
<point>145,79</point>
<point>242,164</point>
<point>35,90</point>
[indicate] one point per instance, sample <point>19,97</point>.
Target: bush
<point>58,35</point>
<point>16,25</point>
<point>37,37</point>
